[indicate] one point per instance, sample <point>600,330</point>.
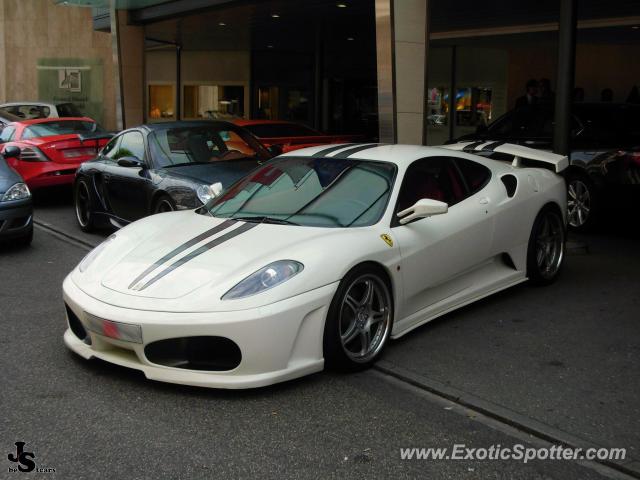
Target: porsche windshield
<point>320,192</point>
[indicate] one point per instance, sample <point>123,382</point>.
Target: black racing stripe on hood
<point>199,251</point>
<point>492,146</point>
<point>347,153</point>
<point>325,151</point>
<point>177,251</point>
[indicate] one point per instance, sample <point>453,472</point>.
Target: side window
<point>475,176</point>
<point>7,134</point>
<point>436,178</point>
<point>131,145</point>
<point>110,149</point>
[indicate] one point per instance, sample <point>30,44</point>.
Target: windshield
<point>202,144</point>
<point>274,130</point>
<point>60,127</point>
<point>319,192</point>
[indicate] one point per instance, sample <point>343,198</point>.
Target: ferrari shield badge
<point>387,239</point>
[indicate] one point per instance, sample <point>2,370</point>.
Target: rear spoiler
<point>518,152</point>
<point>95,136</point>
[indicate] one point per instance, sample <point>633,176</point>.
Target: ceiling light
<point>222,24</point>
<point>635,27</point>
<point>269,46</point>
<point>275,15</point>
<point>341,5</point>
<point>350,39</point>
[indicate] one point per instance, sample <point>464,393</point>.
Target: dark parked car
<point>16,208</point>
<point>605,141</point>
<point>162,167</point>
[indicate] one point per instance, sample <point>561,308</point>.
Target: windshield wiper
<point>265,219</point>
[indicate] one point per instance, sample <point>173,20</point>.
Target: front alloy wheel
<point>83,206</point>
<point>578,202</point>
<point>359,320</point>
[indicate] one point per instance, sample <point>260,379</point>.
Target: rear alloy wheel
<point>359,320</point>
<point>546,247</point>
<point>164,204</point>
<point>82,200</point>
<point>581,202</point>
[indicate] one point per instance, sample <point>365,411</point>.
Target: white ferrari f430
<point>317,258</point>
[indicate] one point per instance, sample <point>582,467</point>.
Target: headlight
<point>208,192</point>
<point>19,191</point>
<point>91,256</point>
<point>267,277</point>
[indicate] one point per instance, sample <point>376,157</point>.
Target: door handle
<point>484,201</point>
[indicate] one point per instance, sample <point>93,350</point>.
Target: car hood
<point>226,173</point>
<point>185,261</point>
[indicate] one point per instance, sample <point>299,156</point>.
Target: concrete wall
<point>31,30</point>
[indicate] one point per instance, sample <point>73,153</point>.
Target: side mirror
<point>423,208</point>
<point>275,150</point>
<point>11,152</point>
<point>130,162</point>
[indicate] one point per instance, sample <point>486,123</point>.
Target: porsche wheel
<point>82,201</point>
<point>359,320</point>
<point>164,204</point>
<point>545,253</point>
<point>582,202</point>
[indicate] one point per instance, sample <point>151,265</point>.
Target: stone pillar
<point>401,42</point>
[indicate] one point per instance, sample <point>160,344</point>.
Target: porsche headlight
<point>208,192</point>
<point>92,255</point>
<point>19,191</point>
<point>267,277</point>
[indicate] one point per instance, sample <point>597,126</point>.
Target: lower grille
<point>195,353</point>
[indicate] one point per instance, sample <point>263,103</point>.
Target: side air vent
<point>510,184</point>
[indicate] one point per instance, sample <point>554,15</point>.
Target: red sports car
<point>289,135</point>
<point>51,149</point>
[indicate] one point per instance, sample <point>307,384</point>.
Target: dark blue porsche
<point>16,208</point>
<point>162,167</point>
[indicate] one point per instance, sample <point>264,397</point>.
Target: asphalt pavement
<point>532,366</point>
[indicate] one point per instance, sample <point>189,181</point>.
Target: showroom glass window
<point>323,192</point>
<point>213,102</point>
<point>161,101</point>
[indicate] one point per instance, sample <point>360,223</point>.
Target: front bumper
<point>278,342</point>
<point>16,218</point>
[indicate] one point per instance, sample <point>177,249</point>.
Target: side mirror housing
<point>11,152</point>
<point>423,208</point>
<point>275,150</point>
<point>130,162</point>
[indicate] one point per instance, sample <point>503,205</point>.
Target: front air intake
<point>76,326</point>
<point>213,354</point>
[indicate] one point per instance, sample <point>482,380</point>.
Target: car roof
<point>400,154</point>
<point>34,121</point>
<point>185,123</point>
<point>46,104</point>
<point>243,121</point>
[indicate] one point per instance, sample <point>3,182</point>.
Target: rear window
<point>62,127</point>
<point>68,110</point>
<point>273,130</point>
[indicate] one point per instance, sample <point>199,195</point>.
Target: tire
<point>546,250</point>
<point>582,202</point>
<point>26,239</point>
<point>359,320</point>
<point>83,205</point>
<point>164,203</point>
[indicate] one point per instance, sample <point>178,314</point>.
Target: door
<point>439,251</point>
<point>126,188</point>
